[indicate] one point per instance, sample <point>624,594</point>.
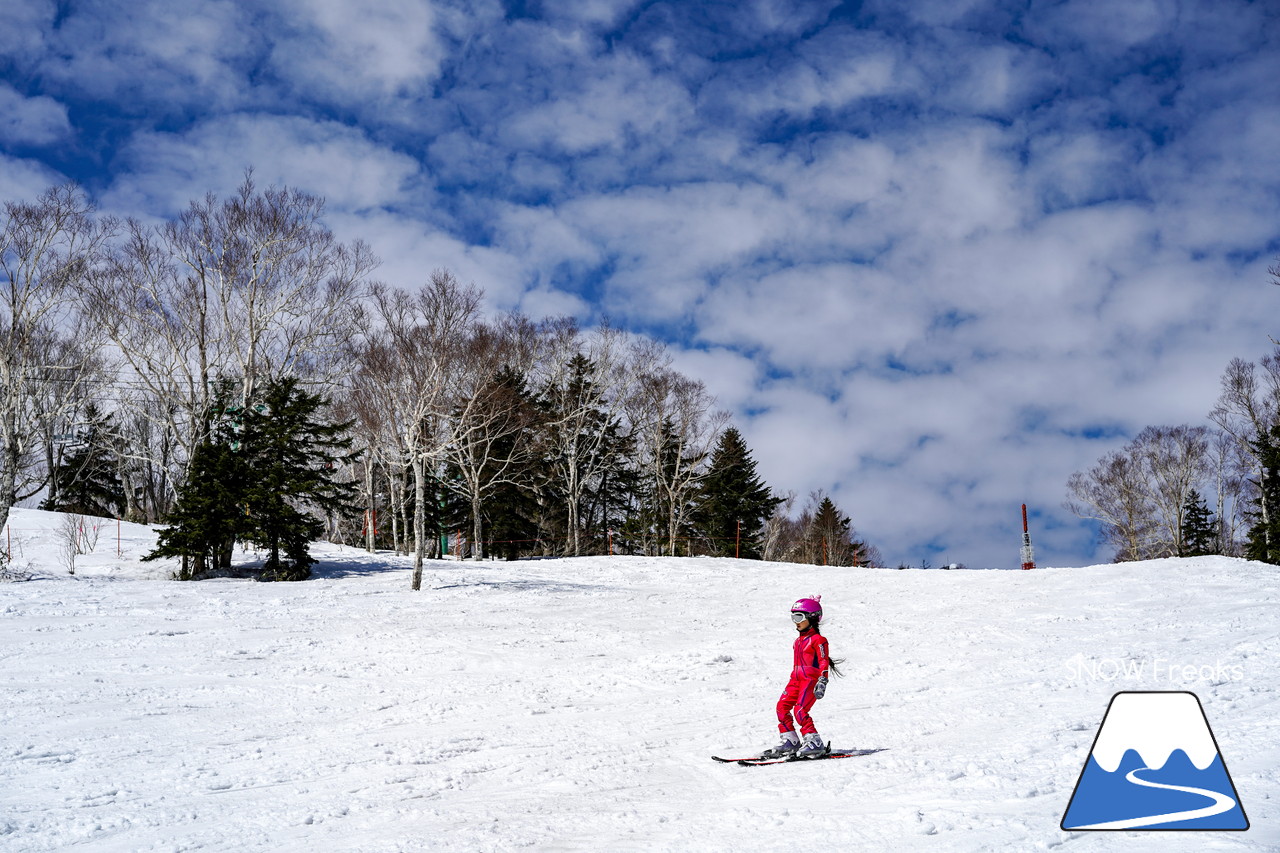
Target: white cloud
<point>352,52</point>
<point>22,180</point>
<point>31,121</point>
<point>23,37</point>
<point>621,103</point>
<point>170,57</point>
<point>161,172</point>
<point>411,250</point>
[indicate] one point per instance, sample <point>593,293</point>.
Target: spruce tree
<point>1264,536</point>
<point>87,480</point>
<point>295,461</point>
<point>512,506</point>
<point>210,504</point>
<point>1199,532</point>
<point>829,539</point>
<point>733,494</point>
<point>257,475</point>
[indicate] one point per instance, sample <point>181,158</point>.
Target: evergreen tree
<point>829,540</point>
<point>446,511</point>
<point>500,481</point>
<point>1199,530</point>
<point>589,458</point>
<point>209,506</point>
<point>254,478</point>
<point>1264,536</point>
<point>730,495</point>
<point>295,461</point>
<point>661,514</point>
<point>87,480</point>
<point>513,506</point>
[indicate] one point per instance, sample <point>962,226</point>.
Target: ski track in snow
<point>574,704</point>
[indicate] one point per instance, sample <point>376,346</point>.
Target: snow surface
<point>574,704</point>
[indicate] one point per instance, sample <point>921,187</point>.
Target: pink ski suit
<point>811,662</point>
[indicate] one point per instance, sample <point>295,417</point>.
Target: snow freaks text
<point>1157,670</point>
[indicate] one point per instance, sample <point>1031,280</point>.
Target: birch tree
<point>490,428</point>
<point>677,425</point>
<point>249,287</point>
<point>48,249</point>
<point>1248,409</point>
<point>407,370</point>
<point>587,400</point>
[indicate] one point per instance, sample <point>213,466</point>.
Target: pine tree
<point>254,478</point>
<point>295,460</point>
<point>733,502</point>
<point>512,507</point>
<point>1264,536</point>
<point>829,539</point>
<point>87,480</point>
<point>1199,530</point>
<point>210,504</point>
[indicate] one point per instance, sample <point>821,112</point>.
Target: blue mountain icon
<point>1155,765</point>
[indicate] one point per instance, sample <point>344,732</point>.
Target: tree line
<point>1192,490</point>
<point>238,372</point>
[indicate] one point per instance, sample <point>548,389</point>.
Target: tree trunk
<point>477,531</point>
<point>419,519</point>
<point>9,475</point>
<point>401,483</point>
<point>369,542</point>
<point>393,485</point>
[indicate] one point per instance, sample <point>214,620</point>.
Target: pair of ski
<point>759,760</point>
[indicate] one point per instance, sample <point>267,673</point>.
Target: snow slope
<point>573,704</point>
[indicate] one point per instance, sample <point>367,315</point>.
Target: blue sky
<point>934,256</point>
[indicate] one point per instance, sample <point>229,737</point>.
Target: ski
<point>835,753</point>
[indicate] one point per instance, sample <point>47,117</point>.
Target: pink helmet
<point>811,607</point>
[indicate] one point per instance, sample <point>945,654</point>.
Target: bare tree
<point>1230,469</point>
<point>1140,492</point>
<point>405,375</point>
<point>1113,493</point>
<point>677,425</point>
<point>777,530</point>
<point>249,287</point>
<point>587,395</point>
<point>47,250</point>
<point>490,428</point>
<point>1247,410</point>
<point>1176,462</point>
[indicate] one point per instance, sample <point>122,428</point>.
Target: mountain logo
<point>1154,764</point>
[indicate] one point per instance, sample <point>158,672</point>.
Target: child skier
<point>808,684</point>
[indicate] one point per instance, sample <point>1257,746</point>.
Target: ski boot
<point>790,743</point>
<point>813,747</point>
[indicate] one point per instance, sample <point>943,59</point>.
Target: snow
<point>574,704</point>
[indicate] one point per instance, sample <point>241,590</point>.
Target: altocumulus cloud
<point>934,255</point>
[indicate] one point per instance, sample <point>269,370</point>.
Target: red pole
<point>737,544</point>
<point>1028,553</point>
<point>610,542</point>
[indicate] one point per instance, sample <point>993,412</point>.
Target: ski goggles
<point>798,616</point>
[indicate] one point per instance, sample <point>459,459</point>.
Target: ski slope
<point>574,704</point>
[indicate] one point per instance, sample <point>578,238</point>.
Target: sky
<point>933,255</point>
